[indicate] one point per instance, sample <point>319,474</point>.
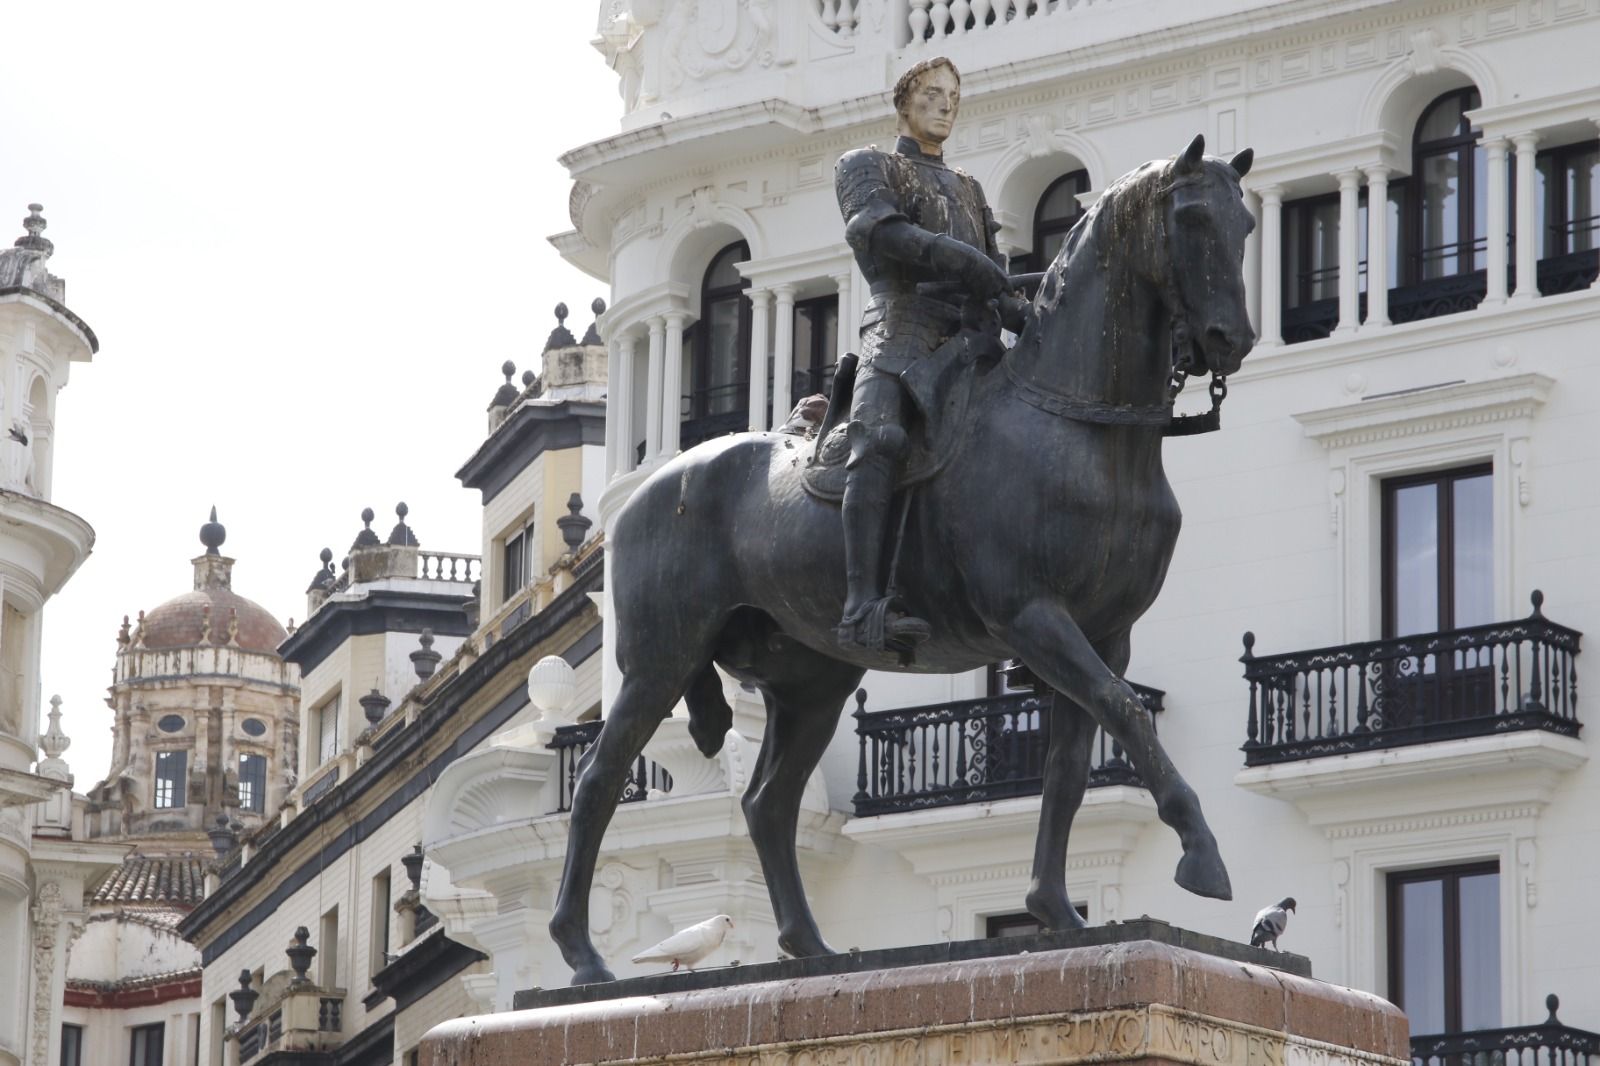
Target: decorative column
<point>1271,266</point>
<point>672,385</point>
<point>619,405</point>
<point>652,394</point>
<point>1496,239</point>
<point>1349,250</point>
<point>614,432</point>
<point>1377,247</point>
<point>783,354</point>
<point>1527,247</point>
<point>849,321</point>
<point>760,303</point>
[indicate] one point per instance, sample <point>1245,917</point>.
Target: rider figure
<point>909,219</point>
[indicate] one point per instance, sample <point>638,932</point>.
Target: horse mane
<point>1120,218</point>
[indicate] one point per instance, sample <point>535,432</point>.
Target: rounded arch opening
<point>1037,205</point>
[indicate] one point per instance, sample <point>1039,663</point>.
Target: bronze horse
<point>1045,537</point>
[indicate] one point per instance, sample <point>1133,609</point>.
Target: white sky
<point>307,235</point>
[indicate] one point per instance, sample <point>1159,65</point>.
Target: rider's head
<point>927,98</point>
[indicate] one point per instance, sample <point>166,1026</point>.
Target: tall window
<point>1438,559</point>
<point>1449,207</point>
<point>1567,201</point>
<point>717,346</point>
<point>146,1047</point>
<point>328,952</point>
<point>328,729</point>
<point>380,922</point>
<point>71,1045</point>
<point>517,562</point>
<point>170,779</point>
<point>1444,947</point>
<point>253,783</point>
<point>1054,216</point>
<point>816,344</point>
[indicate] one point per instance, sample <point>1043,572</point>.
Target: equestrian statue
<point>962,503</point>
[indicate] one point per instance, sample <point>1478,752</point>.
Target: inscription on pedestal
<point>1154,1034</point>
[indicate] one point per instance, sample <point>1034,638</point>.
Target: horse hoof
<point>1202,872</point>
<point>804,945</point>
<point>1054,911</point>
<point>593,973</point>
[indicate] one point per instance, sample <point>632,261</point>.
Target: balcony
<point>1481,681</point>
<point>1550,1043</point>
<point>572,741</point>
<point>971,751</point>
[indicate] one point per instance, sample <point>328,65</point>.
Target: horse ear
<point>1189,161</point>
<point>1241,162</point>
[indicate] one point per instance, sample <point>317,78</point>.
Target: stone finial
<point>366,538</point>
<point>212,534</point>
<point>138,632</point>
<point>574,525</point>
<point>34,239</point>
<point>561,336</point>
<point>530,384</point>
<point>552,686</point>
<point>300,954</point>
<point>402,534</point>
<point>54,741</point>
<point>205,623</point>
<point>506,394</point>
<point>425,660</point>
<point>323,580</point>
<point>233,627</point>
<point>592,335</point>
<point>221,837</point>
<point>244,1000</point>
<point>374,705</point>
<point>412,861</point>
<point>122,634</point>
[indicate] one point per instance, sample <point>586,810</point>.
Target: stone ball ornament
<point>552,686</point>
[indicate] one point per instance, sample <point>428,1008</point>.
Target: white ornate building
<point>45,863</point>
<point>1407,459</point>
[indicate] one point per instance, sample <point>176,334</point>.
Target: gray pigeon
<point>688,946</point>
<point>1270,923</point>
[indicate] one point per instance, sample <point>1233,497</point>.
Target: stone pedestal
<point>1148,1002</point>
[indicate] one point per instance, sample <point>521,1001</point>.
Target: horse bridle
<point>1186,358</point>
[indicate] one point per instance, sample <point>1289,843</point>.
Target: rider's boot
<point>871,620</point>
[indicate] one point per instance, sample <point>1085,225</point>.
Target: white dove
<point>1270,924</point>
<point>688,946</point>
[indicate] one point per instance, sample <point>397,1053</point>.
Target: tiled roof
<point>176,879</point>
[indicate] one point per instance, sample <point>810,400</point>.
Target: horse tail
<point>710,717</point>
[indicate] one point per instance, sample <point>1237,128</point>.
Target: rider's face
<point>930,110</point>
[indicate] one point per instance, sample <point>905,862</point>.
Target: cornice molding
<point>1410,414</point>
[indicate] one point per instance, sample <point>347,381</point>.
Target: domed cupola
<point>212,614</point>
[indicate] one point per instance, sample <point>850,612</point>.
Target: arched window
<point>1058,211</point>
<point>717,347</point>
<point>1449,186</point>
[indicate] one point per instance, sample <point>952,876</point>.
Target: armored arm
<point>876,228</point>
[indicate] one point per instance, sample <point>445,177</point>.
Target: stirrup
<point>883,625</point>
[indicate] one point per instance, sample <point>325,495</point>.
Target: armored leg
<point>877,441</point>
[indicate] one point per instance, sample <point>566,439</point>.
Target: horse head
<point>1206,224</point>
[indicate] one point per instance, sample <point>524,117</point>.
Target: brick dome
<point>180,622</point>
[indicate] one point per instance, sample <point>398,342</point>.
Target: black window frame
<point>697,402</point>
<point>147,1035</point>
<point>1445,502</point>
<point>813,367</point>
<point>516,562</point>
<point>177,782</point>
<point>1451,876</point>
<point>1021,923</point>
<point>252,782</point>
<point>71,1044</point>
<point>1559,157</point>
<point>1044,227</point>
<point>1469,244</point>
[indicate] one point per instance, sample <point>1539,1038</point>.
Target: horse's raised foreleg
<point>1066,776</point>
<point>1055,649</point>
<point>801,718</point>
<point>638,709</point>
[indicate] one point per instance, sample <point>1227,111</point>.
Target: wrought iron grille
<point>1550,1043</point>
<point>572,742</point>
<point>967,752</point>
<point>1412,690</point>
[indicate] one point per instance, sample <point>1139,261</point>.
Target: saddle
<point>940,388</point>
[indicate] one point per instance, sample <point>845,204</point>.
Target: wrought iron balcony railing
<point>1550,1043</point>
<point>572,741</point>
<point>1412,690</point>
<point>968,751</point>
